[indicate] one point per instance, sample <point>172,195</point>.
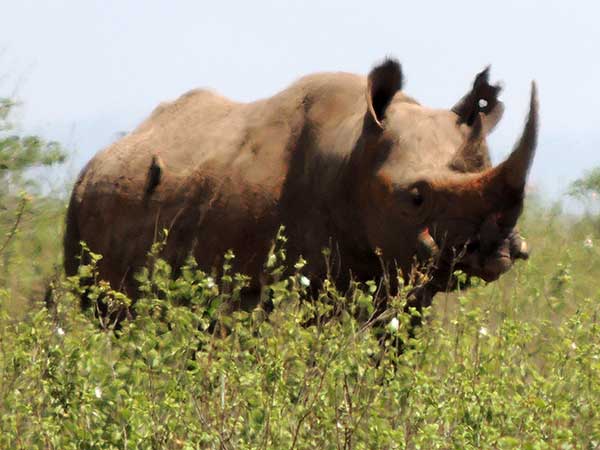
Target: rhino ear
<point>482,99</point>
<point>383,82</point>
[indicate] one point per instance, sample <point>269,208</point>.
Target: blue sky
<point>86,70</point>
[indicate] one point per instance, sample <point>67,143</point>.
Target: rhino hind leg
<point>75,256</point>
<point>72,239</point>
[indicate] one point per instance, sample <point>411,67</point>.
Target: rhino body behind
<point>230,175</point>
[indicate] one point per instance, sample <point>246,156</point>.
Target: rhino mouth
<point>484,259</point>
<point>489,262</point>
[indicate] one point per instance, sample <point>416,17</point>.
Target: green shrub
<point>31,221</point>
<point>514,364</point>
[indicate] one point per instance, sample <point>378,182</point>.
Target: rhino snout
<point>493,251</point>
<point>503,256</point>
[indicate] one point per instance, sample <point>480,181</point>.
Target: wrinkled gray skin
<point>339,159</point>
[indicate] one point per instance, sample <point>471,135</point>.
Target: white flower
<point>588,243</point>
<point>304,281</point>
<point>394,324</point>
<point>98,392</point>
<point>573,346</point>
<point>60,331</point>
<point>483,331</point>
<point>210,283</point>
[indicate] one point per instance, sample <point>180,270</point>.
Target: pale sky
<point>86,70</point>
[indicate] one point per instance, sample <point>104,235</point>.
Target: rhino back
<point>231,173</point>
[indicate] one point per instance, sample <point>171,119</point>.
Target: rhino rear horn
<point>470,156</point>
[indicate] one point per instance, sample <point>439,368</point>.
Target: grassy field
<point>510,365</point>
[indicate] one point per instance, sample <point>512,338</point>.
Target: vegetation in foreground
<point>513,364</point>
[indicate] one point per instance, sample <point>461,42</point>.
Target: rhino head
<point>425,184</point>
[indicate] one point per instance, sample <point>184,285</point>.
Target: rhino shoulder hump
<point>194,96</point>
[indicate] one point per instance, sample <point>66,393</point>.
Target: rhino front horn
<point>516,166</point>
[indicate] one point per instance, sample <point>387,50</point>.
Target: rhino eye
<point>416,197</point>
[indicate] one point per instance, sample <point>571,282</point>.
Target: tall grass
<point>31,248</point>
